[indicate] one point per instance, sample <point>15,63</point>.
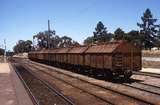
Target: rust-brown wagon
<point>118,58</point>
<point>76,57</point>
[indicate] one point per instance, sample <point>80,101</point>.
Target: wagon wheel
<point>109,75</point>
<point>127,74</point>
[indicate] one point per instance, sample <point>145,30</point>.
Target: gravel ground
<point>40,91</point>
<point>150,63</point>
<point>100,92</point>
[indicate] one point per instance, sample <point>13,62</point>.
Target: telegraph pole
<point>49,26</point>
<point>49,34</point>
<point>4,50</point>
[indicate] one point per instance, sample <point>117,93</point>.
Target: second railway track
<point>40,91</point>
<point>147,74</point>
<point>134,96</point>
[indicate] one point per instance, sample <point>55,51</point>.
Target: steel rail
<point>104,87</point>
<point>34,100</point>
<point>74,86</point>
<point>50,87</point>
<point>142,89</point>
<point>147,74</point>
<point>94,84</point>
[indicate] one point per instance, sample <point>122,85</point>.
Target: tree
<point>158,32</point>
<point>27,45</point>
<point>55,42</point>
<point>89,40</point>
<point>67,42</point>
<point>23,46</point>
<point>157,42</point>
<point>48,39</point>
<point>1,51</point>
<point>134,37</point>
<point>119,34</point>
<point>100,34</point>
<point>148,29</point>
<point>75,43</point>
<point>45,38</point>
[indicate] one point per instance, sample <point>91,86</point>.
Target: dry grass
<point>150,64</point>
<point>148,53</point>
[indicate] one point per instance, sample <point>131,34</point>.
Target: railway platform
<point>12,91</point>
<point>151,70</point>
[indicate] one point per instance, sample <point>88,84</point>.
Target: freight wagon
<point>112,59</point>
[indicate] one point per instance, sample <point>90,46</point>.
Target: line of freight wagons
<point>112,59</point>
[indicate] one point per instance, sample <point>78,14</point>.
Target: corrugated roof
<point>78,50</point>
<point>105,48</point>
<point>42,51</point>
<point>53,50</point>
<point>46,51</point>
<point>62,50</point>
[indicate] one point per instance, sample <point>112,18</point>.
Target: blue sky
<point>21,19</point>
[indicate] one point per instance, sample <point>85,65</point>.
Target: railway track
<point>147,74</point>
<point>59,98</point>
<point>144,87</point>
<point>122,99</point>
<point>141,98</point>
<point>69,83</point>
<point>34,100</point>
<point>153,90</point>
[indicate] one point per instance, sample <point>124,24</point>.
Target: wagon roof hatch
<point>105,48</point>
<point>63,50</point>
<point>77,50</point>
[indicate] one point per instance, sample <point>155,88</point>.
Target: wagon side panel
<point>107,61</point>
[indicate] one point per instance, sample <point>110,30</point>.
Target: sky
<point>21,19</point>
